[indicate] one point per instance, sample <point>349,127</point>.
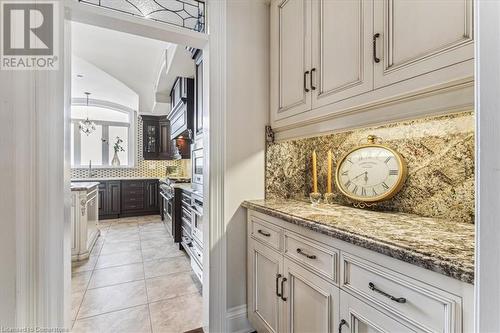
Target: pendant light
<point>87,126</point>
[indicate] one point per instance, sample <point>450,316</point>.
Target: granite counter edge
<point>428,262</point>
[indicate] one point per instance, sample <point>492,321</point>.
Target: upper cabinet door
<point>290,57</point>
<point>341,45</point>
<point>311,303</point>
<point>420,36</point>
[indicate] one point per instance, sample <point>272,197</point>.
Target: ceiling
<point>133,60</point>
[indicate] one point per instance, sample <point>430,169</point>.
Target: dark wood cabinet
<point>156,129</point>
<point>134,197</point>
<point>181,116</point>
<point>151,137</point>
<point>113,201</point>
<point>152,192</point>
<point>198,110</point>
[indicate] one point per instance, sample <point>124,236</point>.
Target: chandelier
<point>87,126</point>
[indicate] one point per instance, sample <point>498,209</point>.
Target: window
<point>111,123</point>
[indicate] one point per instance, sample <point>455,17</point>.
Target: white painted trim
<point>214,155</point>
<point>237,321</point>
<point>487,275</point>
<point>80,101</point>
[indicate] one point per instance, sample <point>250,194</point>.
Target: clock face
<point>371,173</point>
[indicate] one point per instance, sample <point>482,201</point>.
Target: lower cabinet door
<point>359,317</point>
<point>264,276</point>
<point>310,303</point>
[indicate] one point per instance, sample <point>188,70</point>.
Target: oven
<point>167,206</point>
<point>197,166</point>
<point>197,218</point>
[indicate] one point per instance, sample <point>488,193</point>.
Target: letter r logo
<point>27,29</point>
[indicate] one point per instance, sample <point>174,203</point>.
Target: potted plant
<point>117,147</point>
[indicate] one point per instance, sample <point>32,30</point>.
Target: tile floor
<point>136,280</point>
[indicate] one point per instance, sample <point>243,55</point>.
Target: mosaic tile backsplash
<point>439,152</point>
<point>154,169</point>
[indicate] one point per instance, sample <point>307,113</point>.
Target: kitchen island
<point>84,219</point>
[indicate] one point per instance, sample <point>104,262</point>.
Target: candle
<point>329,175</point>
<point>315,173</point>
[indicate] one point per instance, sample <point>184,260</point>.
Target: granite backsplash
<point>439,152</point>
<point>143,168</point>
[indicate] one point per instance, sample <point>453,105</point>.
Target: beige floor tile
<point>167,266</point>
<point>132,320</point>
<point>161,252</point>
<point>156,242</point>
<point>112,298</point>
<point>170,286</point>
<point>115,247</point>
<point>76,300</point>
<point>84,265</point>
<point>179,314</point>
<point>154,234</point>
<point>80,280</point>
<point>114,275</point>
<point>118,259</point>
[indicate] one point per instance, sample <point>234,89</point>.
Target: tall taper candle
<point>315,173</point>
<point>329,176</point>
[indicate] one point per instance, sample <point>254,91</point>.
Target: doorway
<point>127,243</point>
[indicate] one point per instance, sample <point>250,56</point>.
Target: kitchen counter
<point>83,186</point>
<point>183,186</point>
<point>443,246</point>
<point>110,178</point>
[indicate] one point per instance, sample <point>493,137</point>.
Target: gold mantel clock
<point>371,172</point>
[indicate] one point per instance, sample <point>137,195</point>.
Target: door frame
<point>43,279</point>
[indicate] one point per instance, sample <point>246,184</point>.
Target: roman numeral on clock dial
<point>393,172</point>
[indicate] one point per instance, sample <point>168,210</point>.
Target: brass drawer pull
<point>264,233</point>
<point>392,298</point>
<point>310,256</point>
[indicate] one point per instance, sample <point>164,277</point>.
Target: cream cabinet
<point>301,281</point>
<point>333,58</point>
<point>291,63</point>
<point>416,37</point>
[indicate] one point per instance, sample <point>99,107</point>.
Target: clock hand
<point>358,176</point>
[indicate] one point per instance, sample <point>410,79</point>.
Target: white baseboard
<point>237,321</point>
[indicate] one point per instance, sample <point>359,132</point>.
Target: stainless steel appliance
<point>171,205</point>
<point>197,166</point>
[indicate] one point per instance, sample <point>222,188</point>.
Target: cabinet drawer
<point>132,206</point>
<point>312,254</point>
<point>133,191</point>
<point>428,308</point>
<point>133,184</point>
<point>133,200</point>
<point>267,233</point>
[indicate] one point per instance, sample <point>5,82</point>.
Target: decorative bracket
<point>83,206</point>
<point>269,134</point>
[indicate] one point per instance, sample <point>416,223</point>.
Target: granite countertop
<point>83,186</point>
<point>443,246</point>
<point>110,178</point>
<point>184,186</point>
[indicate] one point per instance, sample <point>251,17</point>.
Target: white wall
<point>32,223</point>
<point>247,114</point>
<point>487,166</point>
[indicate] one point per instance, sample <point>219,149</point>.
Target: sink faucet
<point>91,174</point>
